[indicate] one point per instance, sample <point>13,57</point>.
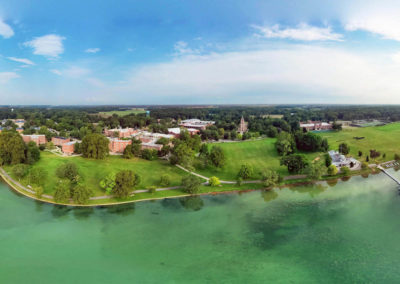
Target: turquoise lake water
<point>348,232</point>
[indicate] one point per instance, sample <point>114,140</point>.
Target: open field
<point>385,139</point>
<point>261,154</point>
<point>93,171</point>
<point>123,112</point>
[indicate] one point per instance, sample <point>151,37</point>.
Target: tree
<point>239,181</point>
<point>396,156</point>
<point>81,194</point>
<point>332,170</point>
<point>128,154</point>
<point>37,176</point>
<point>328,160</point>
<point>217,157</point>
<point>191,184</point>
<point>295,163</point>
<point>344,148</point>
<point>20,171</point>
<point>246,171</point>
<point>374,154</point>
<point>315,170</point>
<point>68,170</point>
<point>285,144</point>
<point>214,181</point>
<point>125,180</point>
<point>39,191</point>
<point>149,154</point>
<point>345,171</point>
<point>94,146</point>
<point>367,159</point>
<point>62,192</point>
<point>183,155</point>
<point>336,126</point>
<point>269,178</point>
<point>165,180</point>
<point>310,142</point>
<point>33,153</point>
<point>108,183</point>
<point>12,148</point>
<point>152,189</point>
<point>360,153</point>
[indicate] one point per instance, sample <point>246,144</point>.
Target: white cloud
<point>293,74</point>
<point>5,30</point>
<point>72,72</point>
<point>5,77</point>
<point>303,32</point>
<point>378,17</point>
<point>50,45</point>
<point>92,50</point>
<point>21,60</point>
<point>182,48</point>
<point>55,71</point>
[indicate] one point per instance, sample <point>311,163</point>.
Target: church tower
<point>242,126</point>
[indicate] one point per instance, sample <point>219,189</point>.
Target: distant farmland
<point>123,112</point>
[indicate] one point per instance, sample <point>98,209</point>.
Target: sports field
<point>385,139</point>
<point>261,154</point>
<point>93,171</point>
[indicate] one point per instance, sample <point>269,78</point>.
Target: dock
<point>389,175</point>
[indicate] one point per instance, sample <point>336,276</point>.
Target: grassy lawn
<point>93,171</point>
<point>260,154</point>
<point>385,139</point>
<point>124,112</point>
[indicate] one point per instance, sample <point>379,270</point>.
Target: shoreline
<point>30,195</point>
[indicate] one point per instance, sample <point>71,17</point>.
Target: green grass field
<point>93,171</point>
<point>385,139</point>
<point>261,154</point>
<point>124,112</point>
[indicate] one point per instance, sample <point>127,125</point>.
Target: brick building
<point>122,132</point>
<point>59,141</point>
<point>38,139</point>
<point>68,148</point>
<point>315,125</point>
<point>118,146</point>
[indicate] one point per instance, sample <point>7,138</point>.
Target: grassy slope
<point>94,170</point>
<point>260,154</point>
<point>385,139</point>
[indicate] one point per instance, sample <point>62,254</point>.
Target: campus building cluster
<point>196,123</point>
<point>315,125</point>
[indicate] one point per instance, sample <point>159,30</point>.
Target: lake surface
<point>327,233</point>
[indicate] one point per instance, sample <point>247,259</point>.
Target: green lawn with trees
<point>91,171</point>
<point>383,139</point>
<point>259,154</point>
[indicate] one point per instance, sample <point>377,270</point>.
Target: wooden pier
<point>389,175</point>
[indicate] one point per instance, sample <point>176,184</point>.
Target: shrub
<point>165,180</point>
<point>62,193</point>
<point>81,194</point>
<point>214,181</point>
<point>39,191</point>
<point>152,189</point>
<point>345,171</point>
<point>239,181</point>
<point>269,178</point>
<point>332,170</point>
<point>364,165</point>
<point>396,157</point>
<point>246,171</point>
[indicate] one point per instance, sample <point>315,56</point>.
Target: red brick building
<point>122,132</point>
<point>59,141</point>
<point>68,147</point>
<point>38,139</point>
<point>117,145</point>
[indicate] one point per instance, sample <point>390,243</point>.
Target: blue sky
<point>189,52</point>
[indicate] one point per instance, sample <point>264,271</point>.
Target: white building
<point>340,160</point>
